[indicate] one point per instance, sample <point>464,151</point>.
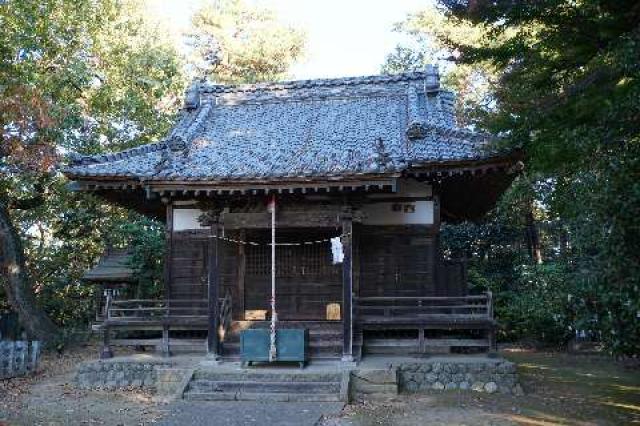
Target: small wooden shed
<point>112,274</point>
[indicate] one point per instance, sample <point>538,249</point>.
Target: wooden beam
<point>347,288</point>
<point>213,284</point>
<point>285,219</point>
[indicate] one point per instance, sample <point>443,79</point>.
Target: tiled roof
<point>300,129</point>
<point>114,265</point>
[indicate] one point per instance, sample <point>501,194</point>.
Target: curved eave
<point>468,188</point>
<point>509,162</point>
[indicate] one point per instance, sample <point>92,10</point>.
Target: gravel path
<point>187,413</point>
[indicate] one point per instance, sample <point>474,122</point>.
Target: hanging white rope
<point>274,315</point>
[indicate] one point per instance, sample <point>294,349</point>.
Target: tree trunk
<point>533,238</point>
<point>15,280</point>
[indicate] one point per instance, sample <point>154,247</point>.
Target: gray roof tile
<point>300,129</point>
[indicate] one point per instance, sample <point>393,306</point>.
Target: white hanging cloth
<point>337,251</point>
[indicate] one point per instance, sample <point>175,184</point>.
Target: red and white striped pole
<point>271,207</point>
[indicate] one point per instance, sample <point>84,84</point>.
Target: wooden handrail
<point>410,298</point>
<point>158,301</point>
<point>473,306</point>
<point>154,309</point>
<point>424,307</point>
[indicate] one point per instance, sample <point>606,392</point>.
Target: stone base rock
<point>112,374</point>
<point>489,375</point>
<point>375,383</point>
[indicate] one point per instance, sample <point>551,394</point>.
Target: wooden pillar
<point>242,268</point>
<point>165,349</point>
<point>491,333</point>
<point>168,232</point>
<point>438,287</point>
<point>347,288</point>
<point>106,352</point>
<point>213,283</point>
<point>421,341</point>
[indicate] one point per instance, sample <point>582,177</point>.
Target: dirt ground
<point>560,389</point>
<point>48,398</point>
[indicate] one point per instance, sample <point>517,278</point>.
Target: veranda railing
<point>472,306</point>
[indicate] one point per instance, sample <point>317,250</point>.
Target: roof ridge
<point>209,87</point>
<point>80,160</point>
<point>445,130</point>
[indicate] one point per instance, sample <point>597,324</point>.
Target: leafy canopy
<point>238,42</point>
<point>565,87</point>
<point>94,76</point>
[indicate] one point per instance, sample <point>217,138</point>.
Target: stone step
<point>263,397</point>
<point>266,376</point>
<point>374,384</point>
<point>209,386</point>
<point>269,385</point>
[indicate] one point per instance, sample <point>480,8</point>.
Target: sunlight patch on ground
<point>534,366</point>
<point>517,350</point>
<point>625,388</point>
<point>625,406</point>
<point>545,420</point>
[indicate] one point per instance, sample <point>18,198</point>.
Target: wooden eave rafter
<point>208,188</point>
<point>507,164</point>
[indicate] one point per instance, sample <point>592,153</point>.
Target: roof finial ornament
<point>416,127</point>
<point>176,143</point>
<point>192,96</point>
<point>431,77</point>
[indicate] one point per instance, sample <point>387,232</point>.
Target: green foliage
<point>532,301</point>
<point>431,35</point>
<point>97,77</point>
<point>238,42</point>
<point>538,307</point>
<point>66,235</point>
<point>94,76</point>
<point>566,89</point>
<point>147,242</point>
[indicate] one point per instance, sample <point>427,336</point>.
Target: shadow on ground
<point>560,389</point>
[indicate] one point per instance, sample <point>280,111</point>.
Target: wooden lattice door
<point>306,279</point>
